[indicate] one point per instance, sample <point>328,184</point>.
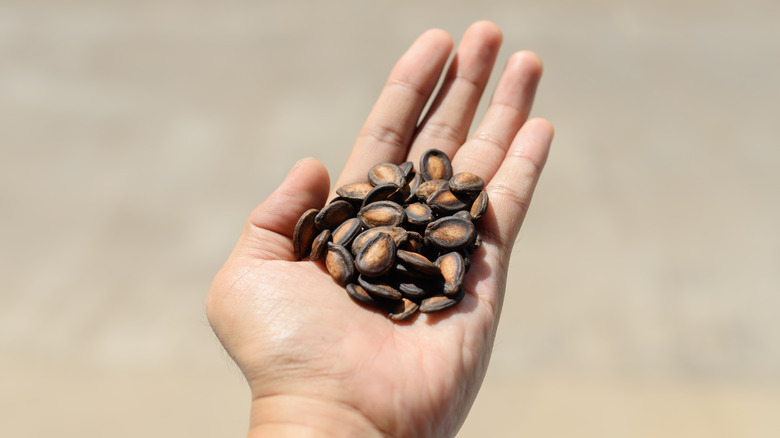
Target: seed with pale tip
<point>418,262</point>
<point>418,214</point>
<point>377,256</point>
<point>347,231</point>
<point>440,302</point>
<point>382,213</point>
<point>398,234</point>
<point>320,245</point>
<point>435,164</point>
<point>424,189</point>
<point>355,191</point>
<point>449,233</point>
<point>333,214</point>
<point>466,183</point>
<point>453,269</point>
<point>479,207</point>
<point>304,233</point>
<point>386,173</point>
<point>404,310</point>
<point>444,202</point>
<point>339,264</point>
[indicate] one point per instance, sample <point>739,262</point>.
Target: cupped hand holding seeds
<point>319,364</point>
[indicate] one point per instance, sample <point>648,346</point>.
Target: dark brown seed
<point>404,310</point>
<point>440,302</point>
<point>333,214</point>
<point>393,255</point>
<point>415,289</point>
<point>407,169</point>
<point>475,244</point>
<point>377,256</point>
<point>381,213</point>
<point>347,231</point>
<point>466,259</point>
<point>418,262</point>
<point>410,188</point>
<point>359,294</point>
<point>463,214</point>
<point>466,183</point>
<point>379,288</point>
<point>434,164</point>
<point>320,245</point>
<point>354,191</point>
<point>304,233</point>
<point>398,234</point>
<point>444,202</point>
<point>414,242</point>
<point>479,207</point>
<point>355,203</point>
<point>405,272</point>
<point>339,263</point>
<point>386,173</point>
<point>418,214</point>
<point>384,192</point>
<point>453,269</point>
<point>449,233</point>
<point>426,188</point>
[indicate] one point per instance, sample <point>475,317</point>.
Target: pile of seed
<point>400,242</point>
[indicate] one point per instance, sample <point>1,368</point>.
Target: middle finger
<point>389,127</point>
<point>447,122</point>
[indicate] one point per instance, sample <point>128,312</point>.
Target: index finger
<point>388,130</point>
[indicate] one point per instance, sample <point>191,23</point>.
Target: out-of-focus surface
<point>137,135</point>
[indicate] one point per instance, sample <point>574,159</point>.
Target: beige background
<point>136,136</point>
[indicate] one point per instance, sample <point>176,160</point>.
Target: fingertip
<point>526,60</point>
<point>306,186</point>
<point>438,37</point>
<point>533,142</point>
<point>311,175</point>
<point>542,126</point>
<point>309,164</point>
<point>486,30</point>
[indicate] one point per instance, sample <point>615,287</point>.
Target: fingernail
<point>299,163</point>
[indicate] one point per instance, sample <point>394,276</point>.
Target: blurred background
<point>137,135</point>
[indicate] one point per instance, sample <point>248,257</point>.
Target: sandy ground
<point>136,136</point>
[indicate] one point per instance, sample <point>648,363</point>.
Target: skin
<point>317,363</point>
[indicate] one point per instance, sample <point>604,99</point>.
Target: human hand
<point>317,363</point>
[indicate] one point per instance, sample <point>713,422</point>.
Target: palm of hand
<point>420,371</point>
<point>295,333</point>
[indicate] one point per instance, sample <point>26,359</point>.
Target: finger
<point>508,110</point>
<point>305,187</point>
<point>446,125</point>
<point>512,187</point>
<point>386,134</point>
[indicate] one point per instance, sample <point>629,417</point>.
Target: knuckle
<point>536,167</point>
<point>383,134</point>
<point>441,130</point>
<point>463,79</point>
<point>407,85</point>
<point>488,139</point>
<point>504,193</point>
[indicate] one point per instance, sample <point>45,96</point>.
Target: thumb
<point>305,187</point>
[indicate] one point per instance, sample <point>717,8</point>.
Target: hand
<point>319,364</point>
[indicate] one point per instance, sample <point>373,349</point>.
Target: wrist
<point>301,416</point>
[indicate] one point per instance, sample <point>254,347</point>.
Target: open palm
<point>318,363</point>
